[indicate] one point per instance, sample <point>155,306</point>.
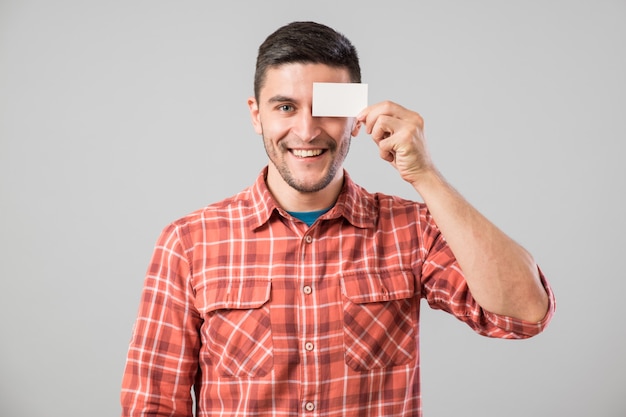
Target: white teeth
<point>305,153</point>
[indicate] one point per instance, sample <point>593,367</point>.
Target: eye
<point>285,108</point>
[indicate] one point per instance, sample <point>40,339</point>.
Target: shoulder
<point>224,213</point>
<point>387,203</point>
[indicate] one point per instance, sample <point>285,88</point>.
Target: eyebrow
<point>280,99</point>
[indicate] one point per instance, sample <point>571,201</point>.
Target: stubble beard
<point>301,186</point>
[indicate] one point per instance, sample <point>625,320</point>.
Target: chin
<point>310,185</point>
<point>308,188</point>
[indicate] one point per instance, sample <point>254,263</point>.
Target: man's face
<point>306,152</point>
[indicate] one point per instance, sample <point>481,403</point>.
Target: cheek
<point>339,128</point>
<point>274,129</point>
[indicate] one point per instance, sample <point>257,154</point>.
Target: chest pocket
<point>237,328</point>
<point>380,319</point>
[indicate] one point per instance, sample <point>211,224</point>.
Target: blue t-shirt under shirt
<point>308,217</point>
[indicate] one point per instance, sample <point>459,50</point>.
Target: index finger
<point>370,114</point>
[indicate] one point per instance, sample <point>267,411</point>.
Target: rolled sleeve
<point>444,287</point>
<point>512,328</point>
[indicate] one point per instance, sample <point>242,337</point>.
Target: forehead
<point>296,79</point>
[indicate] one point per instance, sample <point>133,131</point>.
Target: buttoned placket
<point>309,380</point>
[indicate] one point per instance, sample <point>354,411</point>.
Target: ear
<point>254,114</point>
<point>356,127</point>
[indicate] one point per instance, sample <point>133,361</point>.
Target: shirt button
<point>308,239</point>
<point>309,406</point>
<point>307,290</point>
<point>308,346</point>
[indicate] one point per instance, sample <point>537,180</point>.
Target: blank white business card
<point>339,99</point>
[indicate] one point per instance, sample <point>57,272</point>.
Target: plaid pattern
<point>263,316</point>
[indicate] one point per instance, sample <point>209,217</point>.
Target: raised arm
<point>501,275</point>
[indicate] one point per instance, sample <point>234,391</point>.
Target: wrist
<point>427,179</point>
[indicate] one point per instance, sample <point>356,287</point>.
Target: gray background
<point>119,117</point>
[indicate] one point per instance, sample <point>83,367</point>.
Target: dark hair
<point>306,43</point>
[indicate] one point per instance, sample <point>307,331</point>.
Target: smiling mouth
<point>307,153</point>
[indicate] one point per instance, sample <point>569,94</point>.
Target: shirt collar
<point>354,204</point>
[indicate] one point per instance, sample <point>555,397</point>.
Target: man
<point>301,294</point>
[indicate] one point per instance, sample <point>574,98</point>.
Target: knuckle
<point>387,105</point>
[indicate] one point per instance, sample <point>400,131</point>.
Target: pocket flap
<point>379,286</point>
<point>231,294</point>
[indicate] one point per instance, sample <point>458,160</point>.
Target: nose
<point>307,127</point>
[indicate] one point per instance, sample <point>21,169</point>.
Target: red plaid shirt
<point>264,316</point>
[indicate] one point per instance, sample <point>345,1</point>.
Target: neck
<point>291,199</point>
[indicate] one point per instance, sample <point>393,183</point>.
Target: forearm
<point>501,275</point>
